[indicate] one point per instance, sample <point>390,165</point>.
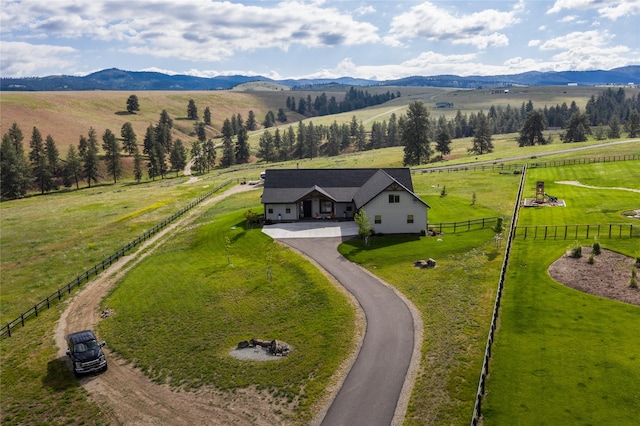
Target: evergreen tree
<point>361,138</point>
<point>201,132</point>
<point>209,150</point>
<point>633,124</point>
<point>282,116</point>
<point>132,104</point>
<point>90,159</point>
<point>39,164</point>
<point>333,142</point>
<point>392,131</point>
<point>531,132</point>
<point>149,140</point>
<point>197,157</point>
<point>53,161</point>
<point>228,152</point>
<point>165,119</point>
<point>614,128</point>
<point>192,110</point>
<point>129,138</point>
<point>243,151</point>
<point>415,134</point>
<point>289,141</point>
<point>277,143</point>
<point>207,116</point>
<point>137,165</point>
<point>252,124</point>
<point>482,142</point>
<point>266,149</point>
<point>443,139</point>
<point>111,148</point>
<point>577,129</point>
<point>269,120</point>
<point>301,136</point>
<point>14,170</point>
<point>72,168</point>
<point>178,156</point>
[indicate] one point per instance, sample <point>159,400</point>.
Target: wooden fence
<point>33,311</point>
<point>517,168</point>
<point>463,226</point>
<point>477,408</point>
<point>575,232</point>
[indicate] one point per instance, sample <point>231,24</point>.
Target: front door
<point>306,208</point>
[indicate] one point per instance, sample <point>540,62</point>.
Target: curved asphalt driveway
<point>372,389</point>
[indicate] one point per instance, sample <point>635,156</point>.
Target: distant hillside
<point>115,79</point>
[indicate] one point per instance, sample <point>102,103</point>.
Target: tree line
<point>322,105</point>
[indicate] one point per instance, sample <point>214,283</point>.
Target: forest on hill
<point>33,162</point>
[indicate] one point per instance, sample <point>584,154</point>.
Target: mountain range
<point>116,79</point>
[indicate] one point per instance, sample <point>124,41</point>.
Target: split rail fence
<point>84,277</point>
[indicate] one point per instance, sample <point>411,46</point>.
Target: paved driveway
<point>314,229</point>
<point>371,393</point>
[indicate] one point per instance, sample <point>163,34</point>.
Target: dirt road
<point>128,397</point>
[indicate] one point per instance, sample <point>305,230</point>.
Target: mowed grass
<point>181,312</point>
<point>562,356</point>
<point>455,299</point>
<point>600,205</point>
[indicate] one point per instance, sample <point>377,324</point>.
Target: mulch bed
<point>609,276</point>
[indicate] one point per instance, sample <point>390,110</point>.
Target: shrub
<point>634,278</point>
<point>443,193</point>
<point>597,249</point>
<point>592,259</point>
<point>575,251</point>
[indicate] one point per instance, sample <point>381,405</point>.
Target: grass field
<point>562,356</point>
<point>198,307</point>
<point>41,252</point>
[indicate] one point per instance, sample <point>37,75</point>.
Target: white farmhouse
<point>385,195</point>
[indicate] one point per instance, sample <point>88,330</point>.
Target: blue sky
<point>295,39</point>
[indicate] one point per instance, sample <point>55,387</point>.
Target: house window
<point>378,219</point>
<point>270,211</point>
<point>349,208</point>
<point>409,218</point>
<point>394,198</point>
<point>326,207</point>
<point>288,210</point>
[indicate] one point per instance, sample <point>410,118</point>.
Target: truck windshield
<point>86,346</point>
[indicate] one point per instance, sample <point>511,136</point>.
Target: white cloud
<point>610,9</point>
<point>568,18</point>
<point>434,23</point>
<point>196,30</point>
<point>533,43</point>
<point>577,40</point>
<point>20,59</point>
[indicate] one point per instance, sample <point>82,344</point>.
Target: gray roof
<point>340,185</point>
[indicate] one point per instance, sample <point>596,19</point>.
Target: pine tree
<point>207,116</point>
<point>614,128</point>
<point>633,124</point>
<point>53,161</point>
<point>443,139</point>
<point>228,152</point>
<point>531,132</point>
<point>90,159</point>
<point>415,134</point>
<point>178,156</point>
<point>132,104</point>
<point>577,129</point>
<point>129,138</point>
<point>111,148</point>
<point>242,151</point>
<point>252,124</point>
<point>39,163</point>
<point>192,110</point>
<point>14,170</point>
<point>482,142</point>
<point>209,154</point>
<point>266,149</point>
<point>201,132</point>
<point>137,165</point>
<point>72,168</point>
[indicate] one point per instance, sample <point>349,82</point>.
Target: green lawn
<point>562,356</point>
<point>180,325</point>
